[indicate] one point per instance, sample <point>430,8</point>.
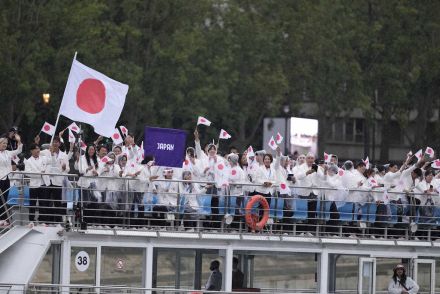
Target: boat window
<point>48,269</point>
<point>279,271</point>
<point>122,266</point>
<point>83,265</point>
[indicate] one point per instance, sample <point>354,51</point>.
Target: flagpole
<point>80,168</point>
<point>58,115</point>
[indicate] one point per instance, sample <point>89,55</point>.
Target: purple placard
<point>166,145</point>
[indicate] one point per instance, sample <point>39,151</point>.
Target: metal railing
<point>32,288</point>
<point>194,206</point>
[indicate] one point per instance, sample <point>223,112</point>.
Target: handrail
<point>374,189</point>
<point>157,290</point>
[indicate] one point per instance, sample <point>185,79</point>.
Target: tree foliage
<point>234,62</point>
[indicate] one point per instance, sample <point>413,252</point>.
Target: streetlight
<point>46,98</point>
<point>286,110</point>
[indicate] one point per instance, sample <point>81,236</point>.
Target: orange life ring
<point>252,219</point>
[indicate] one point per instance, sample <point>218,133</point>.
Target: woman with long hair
<point>400,283</point>
<point>87,165</point>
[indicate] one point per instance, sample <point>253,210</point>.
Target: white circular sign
<point>82,261</point>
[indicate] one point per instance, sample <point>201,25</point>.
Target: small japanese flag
<point>367,162</point>
<point>341,172</point>
<point>106,159</point>
<point>73,127</point>
<point>279,138</point>
<point>327,157</point>
<point>372,182</point>
<point>430,152</point>
<point>124,130</point>
<point>203,121</point>
<point>272,144</point>
<point>419,155</point>
<point>116,137</point>
<point>284,189</point>
<point>386,198</point>
<point>250,152</point>
<point>140,153</point>
<point>83,145</point>
<point>15,159</point>
<point>48,129</point>
<point>71,137</point>
<point>224,135</point>
<point>187,165</point>
<point>436,164</point>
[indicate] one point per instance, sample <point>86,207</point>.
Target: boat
<point>126,249</point>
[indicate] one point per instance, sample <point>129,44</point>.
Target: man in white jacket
<point>36,164</point>
<point>57,163</point>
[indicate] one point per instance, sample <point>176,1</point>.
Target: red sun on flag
<point>116,136</point>
<point>341,172</point>
<point>105,159</point>
<point>186,162</point>
<point>233,172</point>
<point>220,166</point>
<point>283,186</point>
<point>46,127</point>
<point>90,96</point>
<point>202,120</point>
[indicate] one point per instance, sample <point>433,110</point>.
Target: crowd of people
<point>116,179</point>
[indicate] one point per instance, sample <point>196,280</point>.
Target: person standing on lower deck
<point>214,282</point>
<point>400,283</point>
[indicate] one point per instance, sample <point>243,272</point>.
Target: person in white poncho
<point>111,188</point>
<point>235,175</point>
<point>337,196</point>
<point>210,162</point>
<point>166,197</point>
<point>427,198</point>
<point>136,188</point>
<point>189,193</point>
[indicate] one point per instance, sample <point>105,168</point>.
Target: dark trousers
<point>334,219</point>
<point>215,216</point>
<point>52,208</point>
<point>312,204</point>
<point>4,187</point>
<point>91,214</point>
<point>159,215</point>
<point>35,194</point>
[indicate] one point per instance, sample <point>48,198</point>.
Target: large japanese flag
<point>93,98</point>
